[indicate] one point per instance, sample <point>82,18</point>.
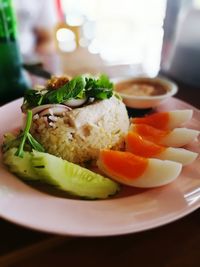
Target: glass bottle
<point>13,81</point>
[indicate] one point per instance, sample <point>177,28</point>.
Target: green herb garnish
<point>70,90</point>
<point>32,99</point>
<point>79,87</point>
<point>27,136</point>
<point>100,88</point>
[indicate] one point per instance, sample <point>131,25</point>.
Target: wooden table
<point>173,245</point>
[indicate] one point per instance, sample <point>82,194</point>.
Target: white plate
<point>132,211</point>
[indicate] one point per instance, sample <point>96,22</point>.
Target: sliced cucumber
<point>72,178</point>
<point>66,176</point>
<point>20,166</point>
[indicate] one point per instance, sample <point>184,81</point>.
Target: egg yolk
<point>123,164</point>
<point>150,133</point>
<point>141,147</point>
<point>157,120</point>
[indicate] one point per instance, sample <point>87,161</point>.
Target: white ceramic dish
<point>144,102</point>
<point>133,210</point>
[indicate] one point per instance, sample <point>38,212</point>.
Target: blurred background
<point>121,38</point>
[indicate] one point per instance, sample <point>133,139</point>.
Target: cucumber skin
<point>66,176</point>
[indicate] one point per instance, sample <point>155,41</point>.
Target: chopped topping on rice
<point>56,82</point>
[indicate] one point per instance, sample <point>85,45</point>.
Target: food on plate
<point>80,121</point>
<point>78,133</point>
<point>21,166</point>
<point>70,132</point>
<point>67,176</point>
<point>132,170</point>
<point>165,120</point>
<point>144,148</point>
<point>177,137</point>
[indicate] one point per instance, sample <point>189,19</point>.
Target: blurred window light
<point>83,42</point>
<point>74,19</point>
<point>196,4</point>
<point>65,35</point>
<point>66,40</point>
<point>94,47</point>
<point>89,30</point>
<point>86,7</point>
<point>128,31</point>
<point>67,47</point>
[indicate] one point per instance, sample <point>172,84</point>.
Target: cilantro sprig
<point>100,88</point>
<point>26,136</point>
<point>79,87</point>
<point>32,98</point>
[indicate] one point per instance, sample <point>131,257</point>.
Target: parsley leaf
<point>70,90</point>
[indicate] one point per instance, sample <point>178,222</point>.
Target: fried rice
<point>79,134</point>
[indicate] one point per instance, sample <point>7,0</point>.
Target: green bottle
<point>13,82</point>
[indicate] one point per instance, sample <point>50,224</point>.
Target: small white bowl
<point>146,101</point>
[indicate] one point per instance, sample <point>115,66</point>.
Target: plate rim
<point>165,220</point>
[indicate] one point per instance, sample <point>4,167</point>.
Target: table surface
<point>173,245</point>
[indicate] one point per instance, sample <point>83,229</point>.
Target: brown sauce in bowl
<point>141,87</point>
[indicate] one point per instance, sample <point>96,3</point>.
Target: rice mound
<point>79,134</point>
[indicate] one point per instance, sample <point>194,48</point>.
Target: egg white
<point>157,173</point>
<point>179,137</point>
<point>179,117</point>
<point>180,155</point>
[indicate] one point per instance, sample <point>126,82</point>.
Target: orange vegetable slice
<point>124,165</point>
<point>158,120</point>
<point>141,147</point>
